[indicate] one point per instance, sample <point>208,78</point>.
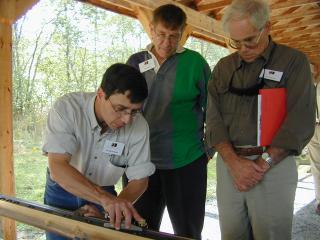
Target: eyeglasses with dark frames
<point>123,111</point>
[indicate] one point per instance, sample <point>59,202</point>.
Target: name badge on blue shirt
<point>113,148</point>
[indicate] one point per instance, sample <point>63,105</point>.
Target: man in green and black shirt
<point>175,111</point>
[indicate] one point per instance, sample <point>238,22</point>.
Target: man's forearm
<point>226,151</point>
<point>74,182</point>
<point>134,189</point>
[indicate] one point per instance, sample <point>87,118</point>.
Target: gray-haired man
<point>256,186</point>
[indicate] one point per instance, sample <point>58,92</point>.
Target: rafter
<point>21,6</point>
<point>194,18</point>
<point>292,3</point>
<point>209,37</point>
<point>116,6</point>
<point>144,16</point>
<point>305,37</point>
<point>307,47</point>
<point>213,6</point>
<point>303,23</point>
<point>306,41</point>
<point>292,32</point>
<point>298,14</point>
<point>185,35</point>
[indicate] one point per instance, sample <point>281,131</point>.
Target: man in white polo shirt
<point>92,139</point>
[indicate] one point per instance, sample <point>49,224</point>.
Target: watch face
<point>265,155</point>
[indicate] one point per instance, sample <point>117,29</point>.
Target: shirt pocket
<point>112,173</point>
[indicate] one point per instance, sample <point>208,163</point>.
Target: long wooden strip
<point>64,226</point>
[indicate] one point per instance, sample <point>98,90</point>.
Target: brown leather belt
<point>249,151</point>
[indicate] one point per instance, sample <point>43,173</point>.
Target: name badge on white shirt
<point>271,74</point>
<point>113,148</point>
<point>146,65</point>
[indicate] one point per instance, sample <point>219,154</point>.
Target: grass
<point>211,181</point>
<point>30,174</point>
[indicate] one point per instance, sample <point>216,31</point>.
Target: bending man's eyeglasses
<point>123,111</point>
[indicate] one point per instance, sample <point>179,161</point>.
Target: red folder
<point>271,113</point>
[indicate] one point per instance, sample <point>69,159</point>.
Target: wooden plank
<point>145,17</point>
<point>9,12</point>
<point>298,14</point>
<point>302,23</point>
<point>299,38</point>
<point>64,226</point>
<point>116,6</point>
<point>214,5</point>
<point>308,48</point>
<point>296,33</point>
<point>6,121</point>
<point>211,38</point>
<point>314,43</point>
<point>185,35</point>
<point>292,3</point>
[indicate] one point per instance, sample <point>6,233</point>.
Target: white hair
<point>256,10</point>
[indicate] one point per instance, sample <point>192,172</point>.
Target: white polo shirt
<point>72,128</point>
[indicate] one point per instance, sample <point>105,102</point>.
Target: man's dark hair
<point>170,15</point>
<point>120,78</point>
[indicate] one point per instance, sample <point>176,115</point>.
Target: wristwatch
<point>266,157</point>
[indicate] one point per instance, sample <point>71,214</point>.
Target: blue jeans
<point>56,196</point>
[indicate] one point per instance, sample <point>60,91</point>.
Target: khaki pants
<point>314,151</point>
<point>264,212</point>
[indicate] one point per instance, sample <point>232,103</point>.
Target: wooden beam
<point>197,1</point>
<point>22,6</point>
<point>298,14</point>
<point>310,48</point>
<point>64,226</point>
<point>209,37</point>
<point>116,6</point>
<point>295,33</point>
<point>314,54</point>
<point>202,25</point>
<point>214,5</point>
<point>302,23</point>
<point>10,11</point>
<point>7,185</point>
<point>307,37</point>
<point>195,19</point>
<point>314,43</point>
<point>145,17</point>
<point>185,35</point>
<point>292,3</point>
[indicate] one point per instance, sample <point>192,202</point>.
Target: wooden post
<point>9,12</point>
<point>7,185</point>
<point>185,35</point>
